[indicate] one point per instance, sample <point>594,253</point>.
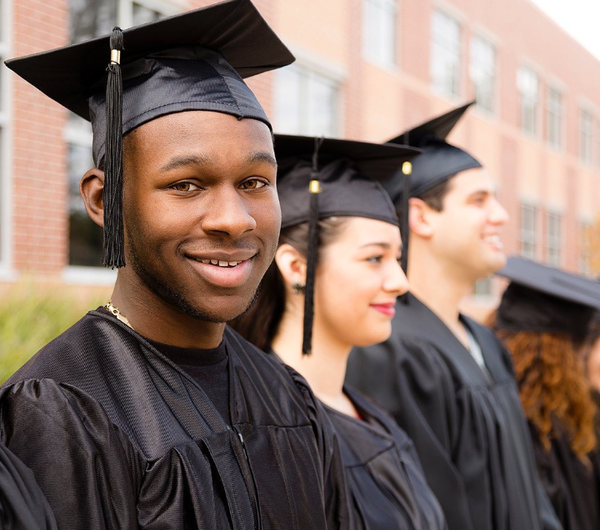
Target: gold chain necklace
<point>117,313</point>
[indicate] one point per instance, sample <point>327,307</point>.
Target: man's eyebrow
<point>182,161</point>
<point>196,160</point>
<point>262,156</point>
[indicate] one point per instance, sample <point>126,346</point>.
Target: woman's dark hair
<point>259,324</point>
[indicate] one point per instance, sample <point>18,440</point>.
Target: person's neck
<point>154,318</point>
<point>441,289</point>
<point>324,368</point>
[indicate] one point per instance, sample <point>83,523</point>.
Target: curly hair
<point>554,390</point>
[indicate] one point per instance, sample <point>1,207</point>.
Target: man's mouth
<point>494,240</point>
<point>219,263</point>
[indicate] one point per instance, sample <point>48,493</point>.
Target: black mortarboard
<point>321,178</point>
<point>546,300</point>
<point>440,160</point>
<point>192,61</point>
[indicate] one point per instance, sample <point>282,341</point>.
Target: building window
<point>306,102</point>
<point>482,71</point>
<point>4,109</point>
<point>89,19</point>
<point>527,86</point>
<point>527,241</point>
<point>585,248</point>
<point>553,239</point>
<point>554,119</point>
<point>445,54</point>
<point>585,136</point>
<point>483,288</point>
<point>379,31</point>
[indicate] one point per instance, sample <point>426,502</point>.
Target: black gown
<point>119,437</point>
<point>387,488</point>
<point>572,485</point>
<point>22,504</point>
<point>468,428</point>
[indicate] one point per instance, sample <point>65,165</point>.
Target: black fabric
<point>22,504</point>
<point>208,51</point>
<point>119,437</point>
<point>572,485</point>
<point>209,368</point>
<point>525,309</point>
<point>440,160</point>
<point>387,488</point>
<point>470,431</point>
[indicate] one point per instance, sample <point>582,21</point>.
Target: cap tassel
<point>113,250</point>
<point>405,230</point>
<point>314,189</point>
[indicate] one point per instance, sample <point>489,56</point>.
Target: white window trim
<point>7,271</point>
<point>586,109</point>
<point>495,111</point>
<point>562,140</point>
<point>534,241</point>
<point>557,238</point>
<point>167,7</point>
<point>390,66</point>
<point>460,19</point>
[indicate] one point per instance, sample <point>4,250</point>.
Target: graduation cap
<point>192,61</point>
<point>546,300</point>
<point>320,178</point>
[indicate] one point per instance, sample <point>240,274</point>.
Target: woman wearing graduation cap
<point>334,284</point>
<point>543,319</point>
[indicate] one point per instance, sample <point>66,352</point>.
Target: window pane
<point>85,237</point>
<point>379,30</point>
<point>553,240</point>
<point>528,230</point>
<point>585,136</point>
<point>305,102</point>
<point>554,118</point>
<point>527,86</point>
<point>445,54</point>
<point>92,18</point>
<point>482,70</point>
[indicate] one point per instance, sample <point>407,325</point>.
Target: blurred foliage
<point>31,315</point>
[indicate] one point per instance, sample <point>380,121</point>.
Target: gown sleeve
<point>22,503</point>
<point>85,467</point>
<point>335,488</point>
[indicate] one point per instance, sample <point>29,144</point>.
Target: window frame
<point>435,45</point>
<point>307,73</point>
<point>527,236</point>
<point>585,158</point>
<point>558,142</point>
<point>387,6</point>
<point>494,71</point>
<point>553,239</point>
<point>6,131</point>
<point>523,70</point>
<point>73,135</point>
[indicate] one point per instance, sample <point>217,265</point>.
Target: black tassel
<point>314,189</point>
<point>113,250</point>
<point>405,225</point>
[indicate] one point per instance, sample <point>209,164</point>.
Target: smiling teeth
<point>220,263</point>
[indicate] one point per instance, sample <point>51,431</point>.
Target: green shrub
<point>31,315</point>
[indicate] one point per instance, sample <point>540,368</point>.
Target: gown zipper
<point>256,503</point>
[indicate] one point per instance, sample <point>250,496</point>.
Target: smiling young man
<point>446,379</point>
<point>149,412</point>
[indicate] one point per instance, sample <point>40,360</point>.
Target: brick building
<point>365,69</point>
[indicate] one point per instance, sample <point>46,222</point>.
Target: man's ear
<point>291,264</point>
<point>91,188</point>
<point>420,217</point>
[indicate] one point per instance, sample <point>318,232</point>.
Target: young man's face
<point>467,230</point>
<point>201,212</point>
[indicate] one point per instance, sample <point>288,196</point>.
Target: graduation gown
<point>572,486</point>
<point>22,504</point>
<point>387,488</point>
<point>468,428</point>
<point>119,437</point>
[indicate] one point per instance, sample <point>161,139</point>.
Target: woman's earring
<point>298,288</point>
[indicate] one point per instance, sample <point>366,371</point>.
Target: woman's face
<point>358,279</point>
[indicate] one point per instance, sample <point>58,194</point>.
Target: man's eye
<point>252,184</point>
<point>183,186</point>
